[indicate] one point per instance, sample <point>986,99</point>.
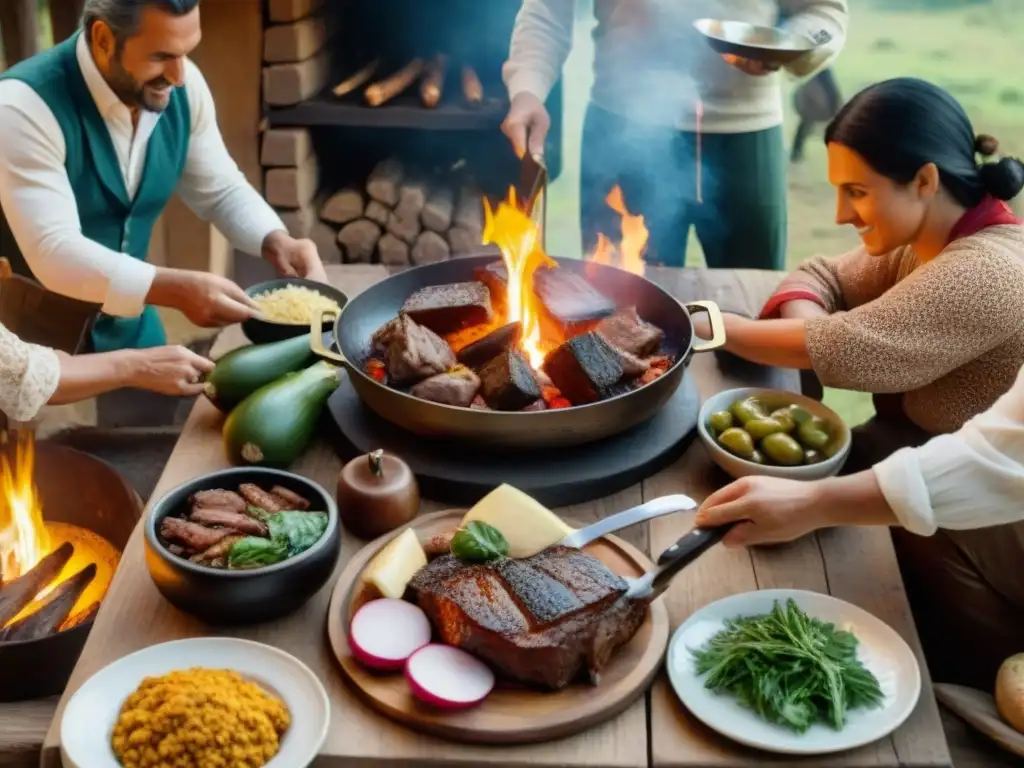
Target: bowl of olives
<point>752,431</point>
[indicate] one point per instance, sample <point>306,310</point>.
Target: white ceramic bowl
<point>90,715</point>
<point>738,467</point>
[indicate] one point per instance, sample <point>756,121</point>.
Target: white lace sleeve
<point>29,375</point>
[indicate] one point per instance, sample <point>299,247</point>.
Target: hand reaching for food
<point>750,66</point>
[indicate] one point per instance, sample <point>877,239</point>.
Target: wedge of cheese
<point>527,525</point>
<point>391,568</point>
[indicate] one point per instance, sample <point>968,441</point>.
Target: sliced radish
<point>385,633</point>
<point>447,677</point>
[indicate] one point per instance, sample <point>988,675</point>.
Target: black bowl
<point>243,596</point>
<point>264,331</point>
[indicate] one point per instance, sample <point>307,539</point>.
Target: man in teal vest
<point>96,135</point>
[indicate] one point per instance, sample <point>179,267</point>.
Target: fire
<point>518,238</point>
<point>25,538</point>
<point>633,244</point>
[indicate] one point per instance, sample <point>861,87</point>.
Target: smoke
<point>653,76</point>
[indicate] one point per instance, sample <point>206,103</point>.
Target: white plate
<point>881,650</point>
<point>89,717</point>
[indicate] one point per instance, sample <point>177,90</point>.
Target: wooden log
<point>294,42</point>
<point>292,10</point>
<point>412,196</point>
<point>464,242</point>
<point>19,592</point>
<point>83,616</point>
<point>437,210</point>
<point>383,181</point>
<point>293,187</point>
<point>359,240</point>
<point>343,206</point>
<point>384,90</point>
<point>429,248</point>
<point>285,147</point>
<point>469,214</point>
<point>53,612</point>
<point>299,222</point>
<point>325,237</point>
<point>432,85</point>
<point>393,252</point>
<point>404,227</point>
<point>472,89</point>
<point>356,80</point>
<point>287,84</point>
<point>378,212</point>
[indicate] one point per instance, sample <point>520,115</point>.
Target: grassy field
<point>974,53</point>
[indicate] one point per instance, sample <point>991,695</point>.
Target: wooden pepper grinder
<point>377,493</point>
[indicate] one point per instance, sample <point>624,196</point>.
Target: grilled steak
<point>507,382</point>
<point>542,620</point>
<point>413,352</point>
<point>226,518</point>
<point>456,387</point>
<point>490,346</point>
<point>569,298</point>
<point>193,536</point>
<point>585,368</point>
<point>447,308</point>
<point>631,333</point>
<point>219,498</point>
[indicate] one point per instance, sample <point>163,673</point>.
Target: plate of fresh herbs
<point>793,672</point>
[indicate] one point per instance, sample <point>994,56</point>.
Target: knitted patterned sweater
<point>947,335</point>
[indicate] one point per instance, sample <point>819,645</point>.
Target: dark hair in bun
<point>898,126</point>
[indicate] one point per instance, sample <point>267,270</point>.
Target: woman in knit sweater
<point>928,314</point>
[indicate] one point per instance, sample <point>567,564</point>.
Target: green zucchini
<point>273,425</point>
<point>242,371</point>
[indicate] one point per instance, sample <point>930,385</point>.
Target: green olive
<point>745,410</point>
<point>785,417</point>
<point>737,441</point>
<point>813,434</point>
<point>812,456</point>
<point>800,415</point>
<point>721,421</point>
<point>758,457</point>
<point>783,449</point>
<point>761,428</point>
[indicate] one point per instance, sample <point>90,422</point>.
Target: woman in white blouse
<point>968,599</point>
<point>32,376</point>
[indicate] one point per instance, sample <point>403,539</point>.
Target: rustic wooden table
<point>856,565</point>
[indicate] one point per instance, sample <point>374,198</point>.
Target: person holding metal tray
<point>691,134</point>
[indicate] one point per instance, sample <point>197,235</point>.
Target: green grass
<point>973,52</point>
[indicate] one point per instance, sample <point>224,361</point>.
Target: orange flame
<point>517,236</point>
<point>629,255</point>
<point>25,538</point>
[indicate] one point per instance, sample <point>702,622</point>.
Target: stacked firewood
<point>397,216</point>
<point>431,76</point>
<point>400,217</point>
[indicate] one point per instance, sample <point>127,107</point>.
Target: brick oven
<point>381,124</point>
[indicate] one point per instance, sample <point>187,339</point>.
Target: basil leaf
<point>479,542</point>
<point>255,551</point>
<point>300,530</point>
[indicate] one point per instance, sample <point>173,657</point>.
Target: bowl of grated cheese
<point>288,305</point>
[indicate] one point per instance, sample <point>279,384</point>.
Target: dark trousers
<point>740,218</point>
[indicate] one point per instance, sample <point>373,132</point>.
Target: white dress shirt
<point>40,207</point>
<point>651,66</point>
<point>973,478</point>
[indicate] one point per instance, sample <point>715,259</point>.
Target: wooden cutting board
<point>508,715</point>
<point>979,710</point>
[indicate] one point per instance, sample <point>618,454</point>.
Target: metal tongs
<point>533,188</point>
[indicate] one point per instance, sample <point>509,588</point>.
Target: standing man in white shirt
<point>691,139</point>
<point>98,133</point>
<point>957,508</point>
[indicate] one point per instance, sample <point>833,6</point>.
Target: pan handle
<point>316,336</point>
<point>714,319</point>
